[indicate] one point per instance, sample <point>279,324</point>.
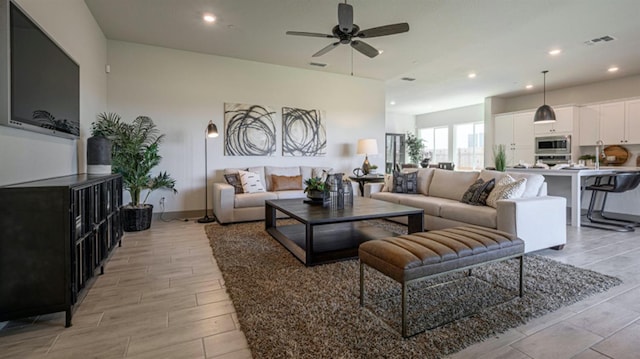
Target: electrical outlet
<point>162,201</point>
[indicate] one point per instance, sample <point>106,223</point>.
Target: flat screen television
<point>40,82</point>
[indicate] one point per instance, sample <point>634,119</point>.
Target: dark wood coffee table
<point>327,235</point>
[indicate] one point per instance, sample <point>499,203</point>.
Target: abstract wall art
<point>249,130</point>
<point>303,132</point>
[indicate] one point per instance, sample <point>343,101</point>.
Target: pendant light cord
<point>544,87</point>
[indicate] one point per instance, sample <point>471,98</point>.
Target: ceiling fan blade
<point>345,17</point>
<point>384,30</point>
<point>365,48</point>
<point>326,49</point>
<point>312,34</point>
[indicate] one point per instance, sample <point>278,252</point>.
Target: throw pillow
<point>467,197</point>
<point>286,183</point>
<point>506,188</point>
<point>388,183</point>
<point>251,182</point>
<point>234,180</point>
<point>482,193</point>
<point>405,182</point>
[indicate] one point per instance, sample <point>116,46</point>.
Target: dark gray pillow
<point>405,182</point>
<point>478,192</point>
<point>234,180</point>
<point>467,197</point>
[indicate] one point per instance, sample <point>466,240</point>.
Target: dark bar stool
<point>616,183</point>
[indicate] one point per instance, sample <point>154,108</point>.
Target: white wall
<point>473,113</point>
<point>400,123</point>
<point>181,91</point>
<point>28,155</point>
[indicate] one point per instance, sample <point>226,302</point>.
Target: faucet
<point>599,145</point>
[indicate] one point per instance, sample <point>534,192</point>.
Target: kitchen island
<point>577,177</point>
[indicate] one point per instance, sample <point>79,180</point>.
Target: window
<point>468,146</point>
<point>465,149</point>
<point>437,142</point>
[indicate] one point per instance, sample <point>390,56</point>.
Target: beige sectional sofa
<point>229,207</point>
<point>536,218</point>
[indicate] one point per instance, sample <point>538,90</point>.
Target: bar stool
<point>616,183</point>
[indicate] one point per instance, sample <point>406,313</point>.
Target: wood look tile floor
<point>163,296</point>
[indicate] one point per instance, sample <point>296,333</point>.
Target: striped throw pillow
<point>251,182</point>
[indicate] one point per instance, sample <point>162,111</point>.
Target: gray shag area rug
<point>287,310</point>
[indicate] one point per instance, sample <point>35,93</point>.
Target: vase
<point>98,155</point>
<point>315,195</point>
<point>425,162</point>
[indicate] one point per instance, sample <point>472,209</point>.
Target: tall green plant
<point>415,146</point>
<point>135,152</point>
<point>500,157</point>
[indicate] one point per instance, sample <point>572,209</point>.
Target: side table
<point>364,179</point>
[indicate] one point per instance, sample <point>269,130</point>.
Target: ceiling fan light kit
<point>544,113</point>
<point>348,33</point>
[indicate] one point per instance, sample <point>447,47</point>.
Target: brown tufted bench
<point>419,256</point>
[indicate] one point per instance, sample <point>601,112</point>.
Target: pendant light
<point>545,113</point>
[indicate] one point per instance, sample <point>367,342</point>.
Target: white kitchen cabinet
<point>515,131</point>
<point>565,117</point>
<point>612,131</point>
<point>589,123</point>
<point>632,121</point>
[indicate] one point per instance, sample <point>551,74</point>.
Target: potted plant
<point>135,152</point>
<point>315,188</point>
<point>500,157</point>
<point>373,169</point>
<point>415,146</point>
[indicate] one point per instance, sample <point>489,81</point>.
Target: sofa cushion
<point>506,188</point>
<point>286,183</point>
<point>478,215</point>
<point>405,182</point>
<point>246,200</point>
<point>234,180</point>
<point>251,182</point>
<point>280,171</point>
<point>431,205</point>
<point>532,188</point>
<point>290,194</point>
<point>425,175</point>
<point>451,184</point>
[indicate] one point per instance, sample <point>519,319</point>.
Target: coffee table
<point>327,235</point>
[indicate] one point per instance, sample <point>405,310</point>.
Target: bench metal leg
<point>521,276</point>
<point>404,310</point>
<point>361,284</point>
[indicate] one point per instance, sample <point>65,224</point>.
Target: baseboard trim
<point>185,216</point>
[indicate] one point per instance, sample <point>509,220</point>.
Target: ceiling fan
<point>349,33</point>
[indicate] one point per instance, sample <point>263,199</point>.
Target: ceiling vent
<point>318,64</point>
<point>408,79</point>
<point>599,40</point>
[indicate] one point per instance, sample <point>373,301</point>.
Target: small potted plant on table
<point>315,188</point>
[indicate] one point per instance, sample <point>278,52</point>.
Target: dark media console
<point>55,236</point>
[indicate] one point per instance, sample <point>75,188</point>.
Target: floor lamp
<point>211,131</point>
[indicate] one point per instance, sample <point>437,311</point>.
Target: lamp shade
<point>367,146</point>
<point>212,130</point>
<point>545,113</point>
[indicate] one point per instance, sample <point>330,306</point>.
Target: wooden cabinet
<point>515,131</point>
<point>55,235</point>
<point>565,117</point>
<point>632,122</point>
<point>614,123</point>
<point>589,123</point>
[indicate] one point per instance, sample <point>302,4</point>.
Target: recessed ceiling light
<point>529,87</point>
<point>209,18</point>
<point>472,75</point>
<point>380,52</point>
<point>555,52</point>
<point>392,103</point>
<point>612,69</point>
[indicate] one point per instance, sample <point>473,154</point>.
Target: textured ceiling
<point>504,42</point>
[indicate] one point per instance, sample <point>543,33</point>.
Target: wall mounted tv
<point>40,82</point>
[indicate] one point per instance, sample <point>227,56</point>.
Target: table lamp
<point>367,147</point>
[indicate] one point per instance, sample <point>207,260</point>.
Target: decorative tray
<point>618,152</point>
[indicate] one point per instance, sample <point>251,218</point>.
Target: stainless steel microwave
<point>553,145</point>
